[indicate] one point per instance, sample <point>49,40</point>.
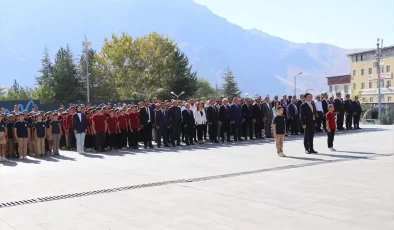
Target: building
<point>364,77</point>
<point>339,84</point>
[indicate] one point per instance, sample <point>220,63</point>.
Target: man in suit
<point>175,117</point>
<point>162,123</point>
<point>293,116</point>
<point>349,112</point>
<point>212,119</point>
<point>308,123</point>
<point>257,118</point>
<point>325,102</point>
<point>339,110</point>
<point>247,124</point>
<point>356,109</point>
<point>299,103</point>
<point>268,117</point>
<point>236,119</point>
<point>224,120</point>
<point>79,126</point>
<point>147,119</point>
<point>188,124</point>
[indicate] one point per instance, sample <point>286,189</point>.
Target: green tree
<point>230,86</point>
<point>204,89</point>
<point>17,92</point>
<point>66,85</point>
<point>45,81</point>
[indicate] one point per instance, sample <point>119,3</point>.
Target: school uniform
<point>71,136</point>
<point>280,131</point>
<point>122,121</point>
<point>330,117</point>
<point>11,142</point>
<point>55,127</point>
<point>112,132</point>
<point>3,138</point>
<point>62,143</point>
<point>49,137</point>
<point>89,138</point>
<point>133,129</point>
<point>99,126</point>
<point>22,133</point>
<point>40,131</point>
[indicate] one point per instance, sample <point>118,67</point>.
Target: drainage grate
<point>197,179</point>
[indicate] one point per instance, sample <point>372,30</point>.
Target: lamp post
<point>177,96</point>
<point>378,57</point>
<point>295,83</point>
<point>86,44</point>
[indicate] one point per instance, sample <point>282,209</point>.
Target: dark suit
<point>188,124</point>
<point>308,119</point>
<point>356,108</point>
<point>293,117</point>
<point>175,117</point>
<point>162,122</point>
<point>236,117</point>
<point>212,119</point>
<point>299,103</point>
<point>339,109</point>
<point>349,113</point>
<point>224,117</point>
<point>79,125</point>
<point>257,114</point>
<point>147,125</point>
<point>247,125</point>
<point>325,104</point>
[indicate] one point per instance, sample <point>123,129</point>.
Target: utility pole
<point>378,57</point>
<point>86,44</point>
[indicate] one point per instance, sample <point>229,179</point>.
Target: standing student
<point>200,119</point>
<point>123,129</point>
<point>3,138</point>
<point>88,138</point>
<point>63,138</point>
<point>79,129</point>
<point>40,135</point>
<point>49,132</point>
<point>112,123</point>
<point>134,127</point>
<point>330,125</point>
<point>12,145</point>
<point>22,135</point>
<point>279,131</point>
<point>71,135</point>
<point>99,129</point>
<point>56,130</point>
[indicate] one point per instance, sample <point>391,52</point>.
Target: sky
<point>348,24</point>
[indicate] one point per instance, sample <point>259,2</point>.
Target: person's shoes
<point>281,154</point>
<point>332,149</point>
<point>313,151</point>
<point>307,152</point>
<point>192,143</point>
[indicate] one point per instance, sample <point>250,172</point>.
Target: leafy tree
<point>17,92</point>
<point>45,81</point>
<point>230,86</point>
<point>204,89</point>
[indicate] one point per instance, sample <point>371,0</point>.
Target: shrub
<point>387,116</point>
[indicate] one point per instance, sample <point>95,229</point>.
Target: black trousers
<point>324,122</point>
<point>330,138</point>
<point>213,132</point>
<point>205,131</point>
<point>189,136</point>
<point>300,126</point>
<point>123,138</point>
<point>162,132</point>
<point>349,120</point>
<point>72,140</point>
<point>237,130</point>
<point>133,138</point>
<point>195,133</point>
<point>200,132</point>
<point>319,120</point>
<point>99,141</point>
<point>340,117</point>
<point>89,141</point>
<point>176,133</point>
<point>258,128</point>
<point>356,121</point>
<point>247,129</point>
<point>62,143</point>
<point>147,134</point>
<point>309,134</point>
<point>293,125</point>
<point>112,141</point>
<point>225,129</point>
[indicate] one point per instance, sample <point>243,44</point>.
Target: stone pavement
<point>349,189</point>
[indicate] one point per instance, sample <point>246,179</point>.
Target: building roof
<point>341,79</point>
<point>369,51</point>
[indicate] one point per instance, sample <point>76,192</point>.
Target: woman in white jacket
<point>200,119</point>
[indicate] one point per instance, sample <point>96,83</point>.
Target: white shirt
<point>319,106</point>
<point>193,107</point>
<point>80,116</point>
<point>148,111</point>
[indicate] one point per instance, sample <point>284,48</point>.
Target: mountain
<point>262,63</point>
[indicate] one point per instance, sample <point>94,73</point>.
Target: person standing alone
<point>79,128</point>
<point>330,125</point>
<point>308,111</point>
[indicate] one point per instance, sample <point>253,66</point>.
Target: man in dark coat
<point>258,118</point>
<point>247,124</point>
<point>299,103</point>
<point>162,123</point>
<point>175,117</point>
<point>146,120</point>
<point>349,112</point>
<point>236,119</point>
<point>293,116</point>
<point>212,119</point>
<point>339,109</point>
<point>308,112</point>
<point>325,102</point>
<point>224,120</point>
<point>356,108</point>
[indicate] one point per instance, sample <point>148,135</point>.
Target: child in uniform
<point>134,128</point>
<point>40,134</point>
<point>331,127</point>
<point>22,135</point>
<point>11,145</point>
<point>49,133</point>
<point>55,127</point>
<point>280,131</point>
<point>112,122</point>
<point>3,138</point>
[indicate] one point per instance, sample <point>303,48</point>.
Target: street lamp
<point>295,83</point>
<point>177,96</point>
<point>86,44</point>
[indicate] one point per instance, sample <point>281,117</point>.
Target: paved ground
<point>349,189</point>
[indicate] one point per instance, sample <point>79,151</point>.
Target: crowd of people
<point>87,128</point>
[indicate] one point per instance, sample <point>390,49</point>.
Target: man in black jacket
<point>308,112</point>
<point>188,124</point>
<point>356,108</point>
<point>325,102</point>
<point>349,112</point>
<point>175,117</point>
<point>147,119</point>
<point>247,125</point>
<point>339,110</point>
<point>162,123</point>
<point>212,119</point>
<point>299,103</point>
<point>224,120</point>
<point>258,118</point>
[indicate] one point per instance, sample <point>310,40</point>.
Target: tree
<point>204,89</point>
<point>45,81</point>
<point>66,85</point>
<point>17,92</point>
<point>230,86</point>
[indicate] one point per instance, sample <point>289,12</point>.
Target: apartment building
<point>339,83</point>
<point>364,77</point>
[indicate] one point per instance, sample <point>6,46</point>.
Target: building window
<point>363,85</point>
<point>388,69</point>
<point>381,83</point>
<point>346,88</point>
<point>354,58</point>
<point>330,88</point>
<point>354,85</point>
<point>362,72</point>
<point>336,89</point>
<point>369,70</point>
<point>371,99</point>
<point>388,84</point>
<point>382,69</point>
<point>354,72</point>
<point>370,84</point>
<point>389,99</point>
